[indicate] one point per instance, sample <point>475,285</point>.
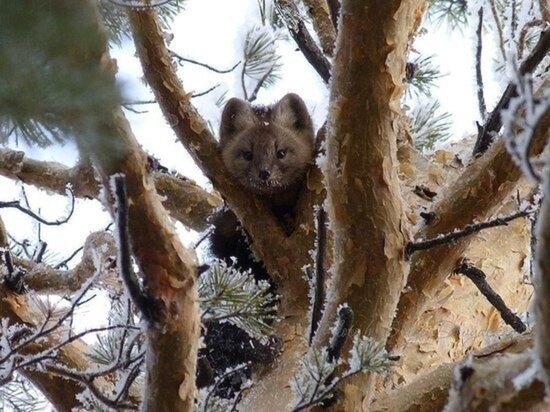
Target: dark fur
<point>251,142</point>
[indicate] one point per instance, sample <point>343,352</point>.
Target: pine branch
<point>429,126</point>
<point>480,280</point>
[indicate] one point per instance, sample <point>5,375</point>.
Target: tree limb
<point>320,15</point>
<point>361,169</point>
<point>291,15</point>
<point>187,202</point>
<point>430,391</point>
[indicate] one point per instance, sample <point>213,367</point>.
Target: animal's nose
<point>264,174</point>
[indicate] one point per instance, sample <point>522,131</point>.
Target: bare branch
<point>182,59</point>
<point>16,205</point>
<point>479,77</point>
<point>467,231</point>
<point>187,202</point>
<point>480,280</point>
<point>291,15</point>
<point>494,122</point>
<point>319,284</point>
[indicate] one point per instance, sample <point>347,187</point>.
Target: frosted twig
<point>319,292</point>
<point>16,205</point>
<point>467,231</point>
<point>494,121</point>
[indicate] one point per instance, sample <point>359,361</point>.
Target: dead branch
<point>320,15</point>
<point>319,281</point>
<point>479,77</point>
<point>182,59</point>
<point>291,16</point>
<point>16,205</point>
<point>187,202</point>
<point>468,230</point>
<point>480,280</point>
<point>493,123</point>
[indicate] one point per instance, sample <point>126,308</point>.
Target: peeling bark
<point>186,201</point>
<point>430,391</point>
<point>476,195</point>
<point>364,198</point>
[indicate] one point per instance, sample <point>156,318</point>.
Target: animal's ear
<point>237,116</point>
<point>291,112</point>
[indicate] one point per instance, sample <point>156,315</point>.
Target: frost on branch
<point>317,379</point>
<point>229,295</point>
<point>521,120</point>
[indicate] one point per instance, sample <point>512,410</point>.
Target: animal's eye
<point>247,155</point>
<point>281,154</point>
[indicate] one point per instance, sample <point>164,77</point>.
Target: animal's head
<point>267,149</point>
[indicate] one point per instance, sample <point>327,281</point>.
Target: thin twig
<point>259,85</point>
<point>67,260</point>
<point>207,66</point>
<point>15,204</point>
<point>467,231</point>
<point>480,280</point>
<point>319,292</point>
<point>479,77</point>
<point>494,121</point>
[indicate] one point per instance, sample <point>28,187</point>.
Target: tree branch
<point>479,77</point>
<point>494,122</point>
<point>289,12</point>
<point>360,169</point>
<point>480,280</point>
<point>430,391</point>
<point>320,15</point>
<point>187,202</point>
<point>470,229</point>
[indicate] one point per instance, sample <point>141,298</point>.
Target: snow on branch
<point>522,118</point>
<point>229,295</point>
<point>317,381</point>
